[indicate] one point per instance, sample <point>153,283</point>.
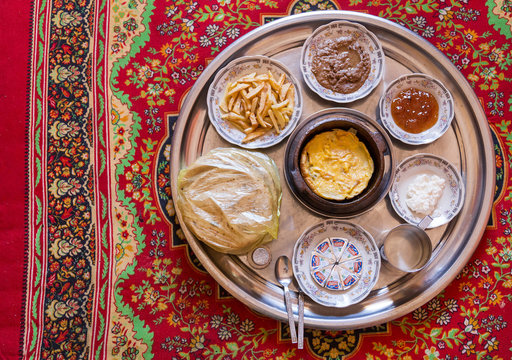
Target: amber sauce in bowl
<point>414,110</point>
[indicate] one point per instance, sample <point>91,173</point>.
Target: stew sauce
<point>340,65</point>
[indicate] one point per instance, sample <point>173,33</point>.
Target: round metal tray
<point>467,145</point>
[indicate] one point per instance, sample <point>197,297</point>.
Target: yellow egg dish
<point>336,165</point>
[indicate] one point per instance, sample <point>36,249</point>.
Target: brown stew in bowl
<point>341,64</point>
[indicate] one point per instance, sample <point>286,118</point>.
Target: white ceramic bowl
<point>234,71</point>
<point>425,83</point>
<point>451,200</point>
<point>368,42</point>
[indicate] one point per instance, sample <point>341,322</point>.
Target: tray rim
<point>485,208</point>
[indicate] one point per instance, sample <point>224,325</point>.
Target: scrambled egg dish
<point>336,165</point>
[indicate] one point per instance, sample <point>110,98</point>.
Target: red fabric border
<point>14,67</point>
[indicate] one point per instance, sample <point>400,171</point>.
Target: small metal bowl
<point>422,82</point>
<point>370,133</point>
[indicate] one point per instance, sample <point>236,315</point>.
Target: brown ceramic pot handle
<point>381,142</point>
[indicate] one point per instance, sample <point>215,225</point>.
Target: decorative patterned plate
<point>425,83</point>
<point>336,263</point>
<point>368,42</point>
<point>451,200</point>
<point>235,70</point>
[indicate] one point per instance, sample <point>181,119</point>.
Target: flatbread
<point>230,199</point>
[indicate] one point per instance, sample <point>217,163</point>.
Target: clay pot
<point>368,132</point>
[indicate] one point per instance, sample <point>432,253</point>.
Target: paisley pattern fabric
<point>108,272</point>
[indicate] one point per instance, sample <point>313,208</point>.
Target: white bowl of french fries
<point>254,102</point>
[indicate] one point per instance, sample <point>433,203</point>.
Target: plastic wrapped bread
<point>230,199</point>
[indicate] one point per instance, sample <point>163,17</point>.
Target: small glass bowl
<point>425,83</point>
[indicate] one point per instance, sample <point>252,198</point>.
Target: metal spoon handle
<point>289,310</point>
<point>301,321</point>
<point>425,222</point>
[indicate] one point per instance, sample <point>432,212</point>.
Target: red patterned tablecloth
<point>93,264</point>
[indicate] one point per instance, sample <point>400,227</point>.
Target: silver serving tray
<point>467,145</point>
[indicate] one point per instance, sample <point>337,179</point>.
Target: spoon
<point>301,321</point>
<point>284,275</point>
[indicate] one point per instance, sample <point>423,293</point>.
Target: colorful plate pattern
<point>336,263</point>
<point>340,259</point>
<point>450,202</point>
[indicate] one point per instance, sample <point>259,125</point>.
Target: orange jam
<point>414,110</point>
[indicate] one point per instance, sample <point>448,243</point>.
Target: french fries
<point>258,103</point>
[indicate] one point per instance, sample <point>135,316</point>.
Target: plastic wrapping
<point>230,199</point>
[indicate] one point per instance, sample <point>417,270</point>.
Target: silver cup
<point>408,247</point>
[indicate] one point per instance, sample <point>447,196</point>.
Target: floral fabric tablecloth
<point>95,264</point>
